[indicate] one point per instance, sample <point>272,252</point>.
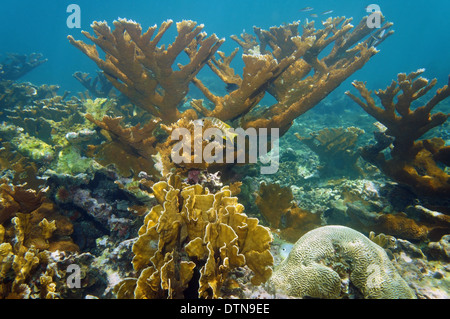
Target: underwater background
<point>93,205</point>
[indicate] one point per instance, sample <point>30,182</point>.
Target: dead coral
<point>413,162</point>
<point>194,231</point>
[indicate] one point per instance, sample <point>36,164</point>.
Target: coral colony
<point>133,189</point>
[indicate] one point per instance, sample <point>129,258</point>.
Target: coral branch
<point>413,162</point>
<point>98,86</point>
<point>141,70</point>
<point>288,65</point>
<point>17,65</point>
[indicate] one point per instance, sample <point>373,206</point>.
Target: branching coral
<point>336,149</point>
<point>326,257</point>
<point>98,87</point>
<point>17,65</point>
<point>29,209</point>
<point>413,162</point>
<point>129,148</point>
<point>141,70</point>
<point>283,70</point>
<point>194,231</point>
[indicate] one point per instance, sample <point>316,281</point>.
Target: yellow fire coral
<point>41,224</point>
<point>194,231</point>
<point>327,257</point>
<point>20,258</point>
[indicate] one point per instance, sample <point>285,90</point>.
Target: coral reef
<point>25,270</point>
<point>129,189</point>
<point>30,208</point>
<point>336,150</point>
<point>413,162</point>
<point>193,231</point>
<point>282,214</point>
<point>324,261</point>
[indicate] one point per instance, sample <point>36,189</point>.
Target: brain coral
<point>325,258</point>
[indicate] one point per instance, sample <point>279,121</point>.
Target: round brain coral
<point>324,258</point>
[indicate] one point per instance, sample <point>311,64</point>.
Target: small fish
<point>224,127</point>
<point>327,12</point>
<point>285,249</point>
<point>306,9</point>
<point>313,15</point>
<point>231,87</point>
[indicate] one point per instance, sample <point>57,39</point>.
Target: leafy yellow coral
<point>193,230</point>
<point>22,261</point>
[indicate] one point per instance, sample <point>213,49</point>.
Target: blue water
<point>421,39</point>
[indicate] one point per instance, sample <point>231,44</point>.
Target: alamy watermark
<point>74,279</point>
<point>374,18</point>
<point>235,152</point>
<point>74,19</point>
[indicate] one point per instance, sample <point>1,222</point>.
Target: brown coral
<point>19,261</point>
<point>42,226</point>
<point>282,70</point>
<point>417,223</point>
<point>129,148</point>
<point>202,232</point>
<point>277,207</point>
<point>413,162</point>
<point>141,70</point>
